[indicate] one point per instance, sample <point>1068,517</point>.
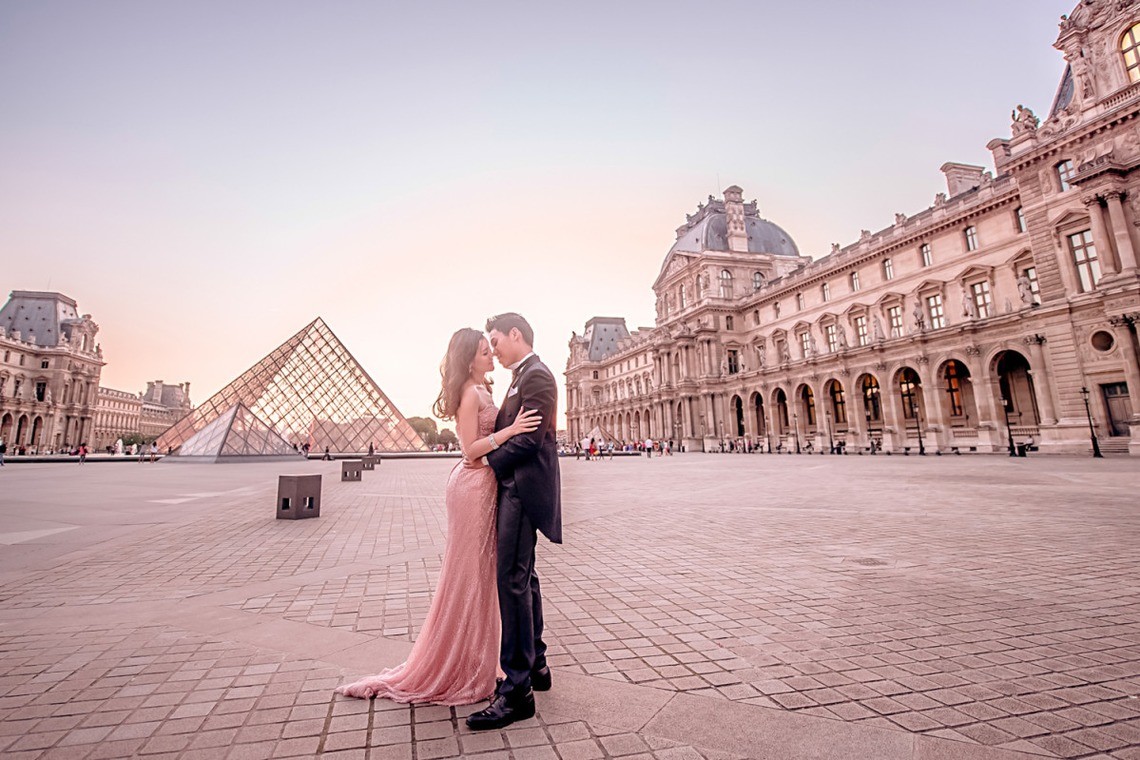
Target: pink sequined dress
<point>456,656</point>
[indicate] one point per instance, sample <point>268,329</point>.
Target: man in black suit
<point>529,501</point>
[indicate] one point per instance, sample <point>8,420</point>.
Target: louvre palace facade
<point>991,318</point>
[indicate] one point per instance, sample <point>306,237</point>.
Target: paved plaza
<point>716,606</point>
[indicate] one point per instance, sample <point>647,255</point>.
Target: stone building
<point>119,414</point>
<point>49,372</point>
<point>982,321</point>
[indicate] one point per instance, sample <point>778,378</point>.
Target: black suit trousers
<point>520,601</point>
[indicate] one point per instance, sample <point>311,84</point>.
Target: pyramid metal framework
<point>236,435</point>
<point>310,389</point>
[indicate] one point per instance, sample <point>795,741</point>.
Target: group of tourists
<point>596,448</point>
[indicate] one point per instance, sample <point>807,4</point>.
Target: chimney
<point>961,177</point>
<point>734,209</point>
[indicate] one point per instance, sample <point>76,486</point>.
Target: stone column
<point>934,393</point>
<point>1101,238</point>
<point>1120,232</point>
<point>1125,340</point>
<point>1042,387</point>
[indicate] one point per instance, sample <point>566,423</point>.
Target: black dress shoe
<point>505,709</point>
<point>540,679</point>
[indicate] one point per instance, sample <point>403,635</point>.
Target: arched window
<point>838,404</point>
<point>681,296</point>
<point>725,283</point>
<point>954,388</point>
<point>757,280</point>
<point>908,386</point>
<point>871,404</point>
<point>1130,49</point>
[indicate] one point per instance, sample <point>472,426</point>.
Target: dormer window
<point>1065,172</point>
<point>725,283</point>
<point>1130,49</point>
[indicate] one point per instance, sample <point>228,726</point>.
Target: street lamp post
<point>1008,430</point>
<point>1092,431</point>
<point>796,429</point>
<point>917,426</point>
<point>830,437</point>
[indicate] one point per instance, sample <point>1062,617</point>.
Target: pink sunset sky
<point>206,178</point>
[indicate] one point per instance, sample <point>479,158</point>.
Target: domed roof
<point>708,231</point>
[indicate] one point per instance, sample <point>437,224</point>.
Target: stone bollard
<point>298,496</point>
<point>369,462</point>
<point>351,469</point>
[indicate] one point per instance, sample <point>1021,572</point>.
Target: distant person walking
<point>648,448</point>
<point>3,451</point>
<point>328,456</point>
<point>82,453</point>
<point>153,452</point>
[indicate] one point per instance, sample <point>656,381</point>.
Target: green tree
<point>447,437</point>
<point>425,426</point>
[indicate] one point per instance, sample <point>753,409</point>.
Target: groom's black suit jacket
<point>528,463</point>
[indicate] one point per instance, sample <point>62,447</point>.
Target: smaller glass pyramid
<point>237,434</point>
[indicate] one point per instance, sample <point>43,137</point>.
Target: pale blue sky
<point>205,178</point>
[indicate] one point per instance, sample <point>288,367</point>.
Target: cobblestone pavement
<point>715,606</point>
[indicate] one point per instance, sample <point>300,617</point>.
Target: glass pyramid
<point>310,389</point>
<point>236,434</point>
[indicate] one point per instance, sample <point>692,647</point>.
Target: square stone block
<point>298,496</point>
<point>369,462</point>
<point>351,469</point>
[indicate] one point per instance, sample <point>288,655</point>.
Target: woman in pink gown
<point>455,658</point>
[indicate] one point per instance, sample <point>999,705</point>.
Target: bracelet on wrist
<point>491,440</point>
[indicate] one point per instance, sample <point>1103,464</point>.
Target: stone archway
<point>1017,393</point>
<point>738,416</point>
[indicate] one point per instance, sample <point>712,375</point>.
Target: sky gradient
<point>206,178</point>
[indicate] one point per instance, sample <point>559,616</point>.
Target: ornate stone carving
<point>1023,121</point>
<point>973,351</point>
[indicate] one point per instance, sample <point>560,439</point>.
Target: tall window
<point>895,317</point>
<point>861,335</point>
<point>729,323</point>
<point>733,361</point>
<point>954,388</point>
<point>776,309</point>
<point>681,296</point>
<point>871,402</point>
<point>1085,259</point>
<point>888,269</point>
<point>908,385</point>
<point>757,280</point>
<point>980,292</point>
<point>971,234</point>
<point>1065,171</point>
<point>838,404</point>
<point>1130,48</point>
<point>41,390</point>
<point>809,406</point>
<point>925,254</point>
<point>1019,219</point>
<point>725,283</point>
<point>854,281</point>
<point>799,301</point>
<point>825,290</point>
<point>832,336</point>
<point>935,311</point>
<point>1034,286</point>
<point>756,316</point>
<point>805,344</point>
